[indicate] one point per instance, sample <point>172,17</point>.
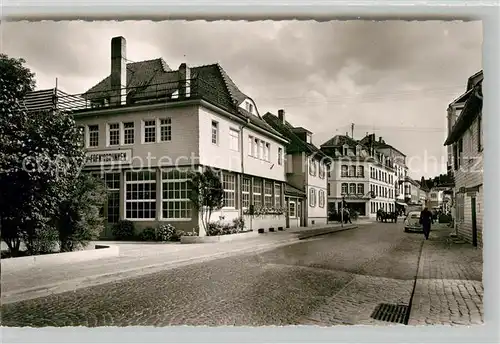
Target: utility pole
<point>342,212</point>
<point>352,130</point>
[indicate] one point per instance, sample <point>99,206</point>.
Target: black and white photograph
<point>241,173</point>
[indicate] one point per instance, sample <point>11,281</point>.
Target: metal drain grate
<point>391,313</point>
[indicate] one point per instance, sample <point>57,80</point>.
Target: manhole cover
<point>391,313</point>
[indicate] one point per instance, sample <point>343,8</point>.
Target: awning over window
<point>293,191</point>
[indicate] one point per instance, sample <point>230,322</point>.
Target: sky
<point>391,78</point>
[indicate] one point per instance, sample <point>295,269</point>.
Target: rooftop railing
<point>173,91</point>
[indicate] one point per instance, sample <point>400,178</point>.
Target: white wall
<point>221,156</point>
<point>470,174</point>
<point>182,149</point>
<point>316,213</point>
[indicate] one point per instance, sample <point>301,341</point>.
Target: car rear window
<point>414,216</point>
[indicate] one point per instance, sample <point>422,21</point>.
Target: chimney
<point>184,81</point>
<point>281,115</point>
<point>380,139</point>
<point>118,70</point>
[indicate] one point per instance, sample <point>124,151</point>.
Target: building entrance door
<point>287,217</point>
<point>474,220</point>
<point>299,213</point>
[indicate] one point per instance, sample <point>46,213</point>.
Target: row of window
<point>141,196</point>
<point>160,130</point>
<point>313,168</point>
<point>352,189</point>
<point>316,198</point>
<point>261,193</point>
<point>352,171</point>
<point>123,133</point>
<point>375,206</point>
<point>260,149</point>
<point>382,191</point>
<point>382,176</point>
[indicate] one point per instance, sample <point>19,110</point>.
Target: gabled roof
<point>475,79</point>
<point>146,77</point>
<point>377,144</point>
<point>472,108</point>
<point>472,81</point>
<point>462,98</point>
<point>296,144</point>
<point>151,77</point>
<point>340,140</point>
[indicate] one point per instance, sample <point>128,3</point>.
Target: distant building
<point>360,175</point>
<point>398,164</point>
<point>465,139</point>
<point>412,191</point>
<point>306,174</point>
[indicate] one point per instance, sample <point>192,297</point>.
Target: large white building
<point>397,163</point>
<point>147,126</point>
<point>360,176</point>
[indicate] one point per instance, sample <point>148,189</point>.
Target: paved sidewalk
<point>139,259</point>
<point>449,288</point>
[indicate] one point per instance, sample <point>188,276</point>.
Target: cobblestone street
<point>333,279</point>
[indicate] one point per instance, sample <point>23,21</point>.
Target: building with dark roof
<point>465,160</point>
<point>148,125</point>
<point>306,169</point>
<point>397,162</point>
<point>361,178</point>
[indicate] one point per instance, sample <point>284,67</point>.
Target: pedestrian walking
<point>347,216</point>
<point>426,219</point>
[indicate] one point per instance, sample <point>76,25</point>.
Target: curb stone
<point>95,280</point>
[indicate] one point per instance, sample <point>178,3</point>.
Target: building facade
<point>395,162</point>
<point>147,127</point>
<point>465,137</point>
<point>412,191</point>
<point>360,176</point>
<point>306,174</point>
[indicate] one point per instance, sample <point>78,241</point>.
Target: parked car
<point>412,222</point>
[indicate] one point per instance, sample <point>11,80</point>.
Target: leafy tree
<point>79,220</point>
<point>207,194</point>
<point>41,154</point>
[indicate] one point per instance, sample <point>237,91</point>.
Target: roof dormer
<point>345,149</point>
<point>249,105</point>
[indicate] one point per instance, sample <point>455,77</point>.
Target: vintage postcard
<point>233,173</point>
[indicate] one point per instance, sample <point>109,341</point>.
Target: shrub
<point>183,233</point>
<point>239,223</point>
<point>79,220</point>
<point>148,234</point>
<point>218,228</point>
<point>213,229</point>
<point>41,241</point>
<point>124,230</point>
<point>167,233</point>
